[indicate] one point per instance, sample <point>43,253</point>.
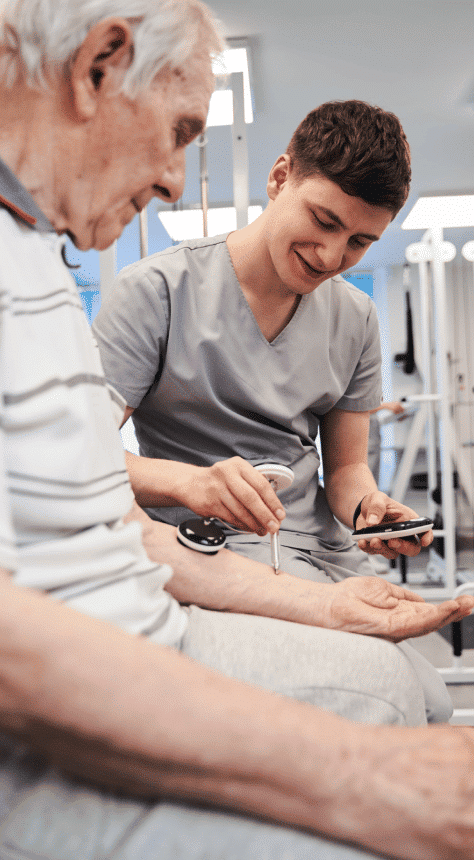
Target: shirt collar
<point>15,197</point>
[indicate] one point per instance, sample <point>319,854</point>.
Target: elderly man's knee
<point>383,682</point>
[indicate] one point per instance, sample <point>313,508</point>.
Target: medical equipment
<point>385,531</point>
<point>202,535</point>
<point>280,478</point>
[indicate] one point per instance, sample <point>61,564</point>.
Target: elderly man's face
<point>136,151</point>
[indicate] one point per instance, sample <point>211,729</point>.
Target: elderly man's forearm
<point>127,714</point>
<point>231,582</point>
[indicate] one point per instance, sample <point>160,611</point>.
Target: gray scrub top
<point>179,341</point>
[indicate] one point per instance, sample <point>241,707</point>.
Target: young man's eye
<point>326,225</point>
<point>358,243</point>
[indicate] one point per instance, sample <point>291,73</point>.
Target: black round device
<point>202,535</point>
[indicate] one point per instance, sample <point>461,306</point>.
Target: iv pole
<point>143,222</point>
<point>204,181</point>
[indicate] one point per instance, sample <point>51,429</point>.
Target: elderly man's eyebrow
<point>187,128</point>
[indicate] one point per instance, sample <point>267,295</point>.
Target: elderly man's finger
<point>406,594</point>
<point>452,610</point>
<point>466,603</point>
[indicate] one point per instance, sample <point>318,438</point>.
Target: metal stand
<point>434,416</point>
<point>240,152</point>
<point>203,181</point>
<point>431,254</point>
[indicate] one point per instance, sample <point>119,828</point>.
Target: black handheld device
<point>386,531</point>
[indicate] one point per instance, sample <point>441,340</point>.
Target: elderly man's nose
<point>171,184</point>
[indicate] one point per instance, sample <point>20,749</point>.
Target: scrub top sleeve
<point>364,391</point>
<point>131,330</point>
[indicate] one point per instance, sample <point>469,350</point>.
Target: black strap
<point>357,512</point>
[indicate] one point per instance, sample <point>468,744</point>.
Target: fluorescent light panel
<point>445,211</point>
<point>187,223</point>
<point>221,108</point>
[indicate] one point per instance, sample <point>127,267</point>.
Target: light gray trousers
<point>62,821</point>
<point>46,817</point>
<point>332,566</point>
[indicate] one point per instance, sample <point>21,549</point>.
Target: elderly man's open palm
<point>374,607</point>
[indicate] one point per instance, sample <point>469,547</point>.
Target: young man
<point>236,350</point>
<point>240,349</point>
<point>96,111</point>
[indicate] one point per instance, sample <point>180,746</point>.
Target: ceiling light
<point>234,59</point>
<point>445,211</point>
<point>187,223</point>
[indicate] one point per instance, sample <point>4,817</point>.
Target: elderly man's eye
<point>186,130</point>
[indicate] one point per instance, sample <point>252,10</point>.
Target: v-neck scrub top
<point>179,342</point>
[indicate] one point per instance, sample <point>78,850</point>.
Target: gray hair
<point>44,35</point>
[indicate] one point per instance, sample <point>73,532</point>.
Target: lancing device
<point>280,478</point>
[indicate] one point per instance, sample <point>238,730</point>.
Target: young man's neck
<point>271,303</point>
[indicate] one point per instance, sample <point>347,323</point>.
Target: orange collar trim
<point>30,219</point>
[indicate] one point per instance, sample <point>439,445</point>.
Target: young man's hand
<point>379,508</point>
<point>234,491</point>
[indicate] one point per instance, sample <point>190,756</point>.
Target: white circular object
<point>468,251</point>
<point>281,477</point>
<point>419,252</point>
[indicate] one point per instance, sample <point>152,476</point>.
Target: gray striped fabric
<point>64,488</point>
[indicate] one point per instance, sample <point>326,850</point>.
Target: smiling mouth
<point>311,270</point>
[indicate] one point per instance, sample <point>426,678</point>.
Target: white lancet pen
<point>275,549</point>
<point>280,477</point>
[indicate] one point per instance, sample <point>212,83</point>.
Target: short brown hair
<point>361,148</point>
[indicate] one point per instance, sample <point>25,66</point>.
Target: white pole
<point>204,181</point>
<point>428,387</point>
<point>239,151</point>
<point>143,222</point>
<point>107,268</point>
<point>445,440</point>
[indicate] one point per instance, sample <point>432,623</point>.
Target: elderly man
<point>103,722</point>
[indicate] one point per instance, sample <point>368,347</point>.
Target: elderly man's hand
<point>378,508</point>
<point>374,607</point>
<point>418,793</point>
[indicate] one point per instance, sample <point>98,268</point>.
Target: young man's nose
<point>171,181</point>
<point>331,254</point>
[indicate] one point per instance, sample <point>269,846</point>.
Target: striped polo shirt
<point>64,488</point>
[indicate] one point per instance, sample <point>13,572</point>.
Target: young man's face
<point>136,151</point>
<point>315,230</point>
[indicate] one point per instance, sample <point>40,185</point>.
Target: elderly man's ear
<point>100,64</point>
